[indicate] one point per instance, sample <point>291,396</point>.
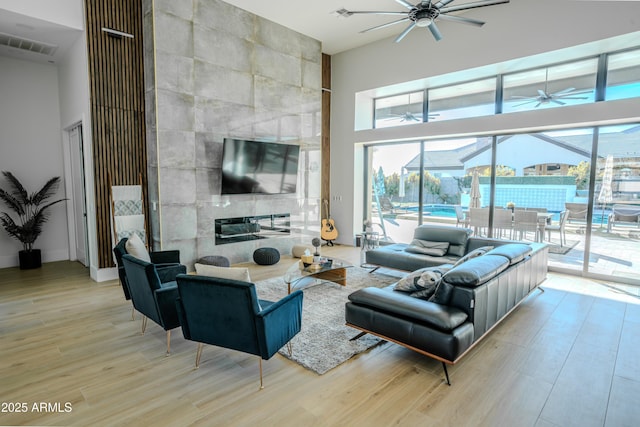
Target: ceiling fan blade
<point>569,89</point>
<point>543,93</point>
<point>462,20</point>
<point>567,96</point>
<point>555,101</point>
<point>405,4</point>
<point>373,12</point>
<point>435,31</point>
<point>525,103</point>
<point>388,24</point>
<point>632,129</point>
<point>405,32</point>
<point>442,4</point>
<point>471,5</point>
<point>567,93</point>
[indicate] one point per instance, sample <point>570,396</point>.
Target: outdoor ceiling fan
<point>425,14</point>
<point>544,97</point>
<point>409,117</point>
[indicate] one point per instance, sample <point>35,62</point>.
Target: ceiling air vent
<point>22,43</point>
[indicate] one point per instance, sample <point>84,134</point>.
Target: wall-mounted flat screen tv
<point>259,167</point>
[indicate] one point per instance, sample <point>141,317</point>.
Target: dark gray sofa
<point>397,256</point>
<point>472,298</point>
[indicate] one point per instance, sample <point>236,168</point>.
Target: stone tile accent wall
<point>213,71</point>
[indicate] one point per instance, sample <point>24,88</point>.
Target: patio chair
<point>537,209</point>
<point>559,228</point>
<point>227,313</point>
<point>479,219</point>
<point>577,211</point>
<point>525,222</point>
<point>623,215</point>
<point>460,217</point>
<point>503,222</point>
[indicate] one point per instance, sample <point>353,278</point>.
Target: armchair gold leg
<point>144,324</point>
<point>133,313</point>
<point>198,354</point>
<point>289,348</point>
<point>168,343</point>
<point>260,362</point>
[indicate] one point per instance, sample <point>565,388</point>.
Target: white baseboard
<point>104,274</point>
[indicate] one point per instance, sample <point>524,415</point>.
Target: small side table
<point>369,240</point>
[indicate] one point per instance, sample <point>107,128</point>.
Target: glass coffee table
<point>332,269</point>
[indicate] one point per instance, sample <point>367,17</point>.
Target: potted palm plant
<point>32,211</point>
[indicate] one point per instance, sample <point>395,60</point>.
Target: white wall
<point>31,148</point>
<point>516,30</point>
<point>73,81</point>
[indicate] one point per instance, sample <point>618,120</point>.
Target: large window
<point>623,76</point>
<point>472,99</point>
<point>399,110</point>
<point>550,87</point>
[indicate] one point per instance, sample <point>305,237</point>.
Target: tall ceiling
<point>316,19</point>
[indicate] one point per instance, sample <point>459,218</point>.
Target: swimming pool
<point>448,211</point>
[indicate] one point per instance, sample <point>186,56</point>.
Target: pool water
<point>448,211</point>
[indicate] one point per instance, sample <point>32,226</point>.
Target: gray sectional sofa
<point>468,300</point>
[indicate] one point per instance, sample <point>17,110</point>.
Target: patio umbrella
<point>606,195</point>
<point>474,194</point>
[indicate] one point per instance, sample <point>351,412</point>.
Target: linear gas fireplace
<point>242,229</point>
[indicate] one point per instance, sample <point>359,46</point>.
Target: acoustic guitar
<point>328,231</point>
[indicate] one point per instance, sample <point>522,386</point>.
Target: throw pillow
<point>474,253</point>
<point>135,247</point>
<point>232,273</point>
<point>422,279</point>
<point>442,294</point>
<point>427,247</point>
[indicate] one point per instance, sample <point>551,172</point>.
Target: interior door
<point>79,194</point>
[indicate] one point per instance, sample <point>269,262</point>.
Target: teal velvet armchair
<point>154,299</point>
<point>167,265</point>
<point>227,313</point>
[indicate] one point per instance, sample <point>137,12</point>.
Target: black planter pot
<point>30,259</point>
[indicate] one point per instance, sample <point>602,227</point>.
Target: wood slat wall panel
<point>117,107</point>
<point>325,187</point>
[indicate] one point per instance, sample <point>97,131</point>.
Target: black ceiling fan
<point>545,97</point>
<point>424,14</point>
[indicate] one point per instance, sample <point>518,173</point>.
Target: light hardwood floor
<point>566,357</point>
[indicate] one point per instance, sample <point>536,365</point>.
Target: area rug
<point>562,250</point>
<point>324,340</point>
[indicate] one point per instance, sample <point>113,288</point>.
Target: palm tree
<point>31,209</point>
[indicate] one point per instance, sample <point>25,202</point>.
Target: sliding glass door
<point>577,190</point>
<point>615,234</point>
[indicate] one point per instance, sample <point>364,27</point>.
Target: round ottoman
<point>266,256</point>
<point>298,250</point>
<point>217,260</point>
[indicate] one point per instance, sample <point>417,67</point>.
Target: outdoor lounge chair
<point>386,205</point>
<point>623,215</point>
